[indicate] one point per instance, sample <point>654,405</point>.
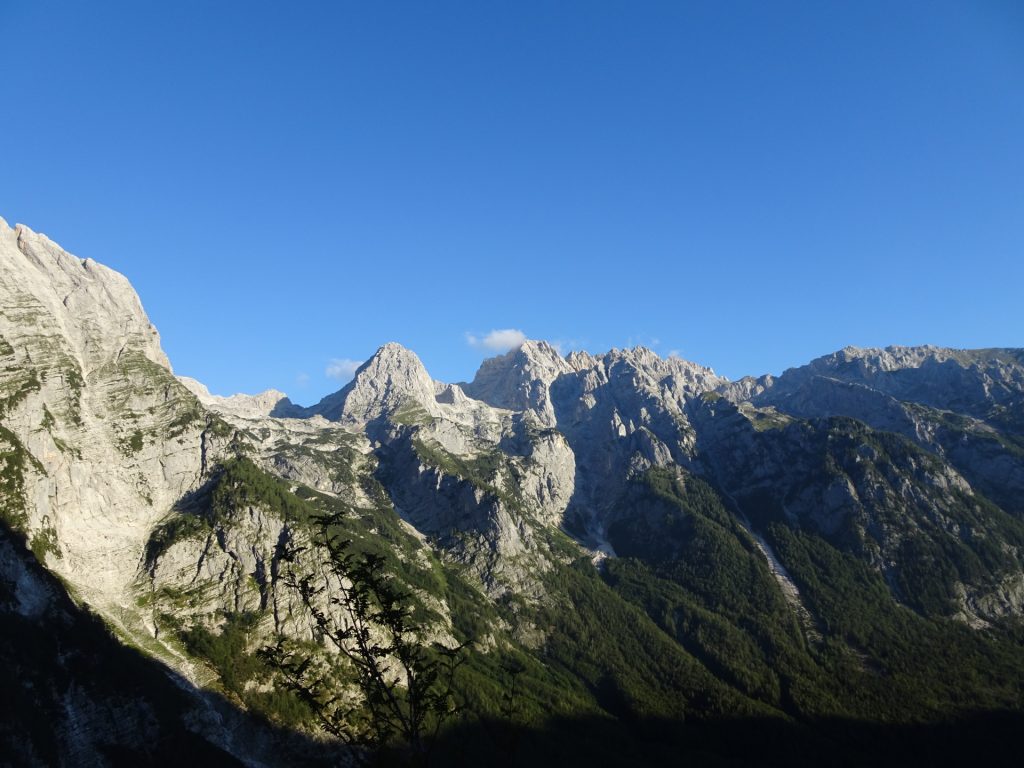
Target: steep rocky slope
<point>963,408</point>
<point>963,405</point>
<point>638,537</point>
<point>100,439</point>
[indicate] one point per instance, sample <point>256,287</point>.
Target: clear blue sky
<point>750,184</point>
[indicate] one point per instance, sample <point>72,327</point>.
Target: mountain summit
<point>392,378</point>
<point>520,379</point>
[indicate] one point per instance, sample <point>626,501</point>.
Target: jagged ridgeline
<point>635,561</point>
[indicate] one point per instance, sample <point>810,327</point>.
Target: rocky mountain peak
<point>397,365</point>
<point>639,355</point>
<point>889,359</point>
<point>535,359</point>
<point>642,363</point>
<point>580,360</point>
<point>901,464</point>
<point>897,363</point>
<point>539,352</point>
<point>393,377</point>
<point>519,379</point>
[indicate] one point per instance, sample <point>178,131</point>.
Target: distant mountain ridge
<point>647,538</point>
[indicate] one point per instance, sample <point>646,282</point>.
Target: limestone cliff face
<point>105,437</point>
<point>93,308</point>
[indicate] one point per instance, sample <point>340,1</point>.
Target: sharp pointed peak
<point>392,349</point>
<point>539,345</point>
<point>530,348</point>
<point>391,377</point>
<point>392,346</point>
<point>532,354</point>
<point>637,354</point>
<point>390,356</point>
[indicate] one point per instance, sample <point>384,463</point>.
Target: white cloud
<point>341,368</point>
<point>675,353</point>
<point>498,340</point>
<point>302,379</point>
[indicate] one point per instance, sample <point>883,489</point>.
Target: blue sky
<point>747,184</point>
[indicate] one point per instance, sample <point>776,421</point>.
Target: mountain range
<point>642,561</point>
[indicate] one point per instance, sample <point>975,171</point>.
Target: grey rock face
<point>520,380</point>
<point>967,381</point>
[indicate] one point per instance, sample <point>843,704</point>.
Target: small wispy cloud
<point>301,379</point>
<point>498,340</point>
<point>675,353</point>
<point>565,346</point>
<point>643,340</point>
<point>341,368</point>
